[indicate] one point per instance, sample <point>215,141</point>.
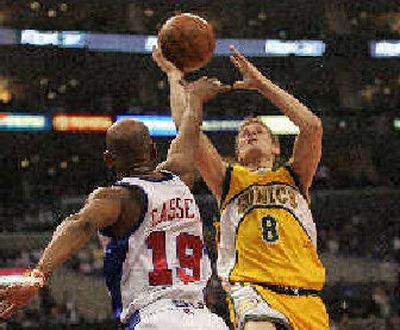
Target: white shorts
<point>167,314</point>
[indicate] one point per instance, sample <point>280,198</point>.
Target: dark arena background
<point>69,68</point>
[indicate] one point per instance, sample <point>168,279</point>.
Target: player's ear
<point>108,159</point>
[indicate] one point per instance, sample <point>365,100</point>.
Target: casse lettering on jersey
<point>175,208</point>
<point>267,195</point>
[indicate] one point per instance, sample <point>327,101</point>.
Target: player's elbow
<point>85,227</point>
<point>317,126</point>
<point>314,127</point>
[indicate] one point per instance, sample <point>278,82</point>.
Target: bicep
<point>102,208</point>
<point>306,156</point>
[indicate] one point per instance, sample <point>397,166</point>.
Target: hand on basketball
<point>166,66</point>
<point>204,89</point>
<point>252,77</point>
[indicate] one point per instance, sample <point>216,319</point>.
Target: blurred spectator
<point>381,301</point>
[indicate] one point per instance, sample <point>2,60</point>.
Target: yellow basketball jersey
<point>267,234</point>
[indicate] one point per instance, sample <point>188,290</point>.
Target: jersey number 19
<point>188,253</point>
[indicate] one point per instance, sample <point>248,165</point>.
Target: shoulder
<point>237,168</point>
<point>108,193</point>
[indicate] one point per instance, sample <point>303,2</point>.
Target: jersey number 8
<point>269,229</point>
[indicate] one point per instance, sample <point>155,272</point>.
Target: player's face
<point>254,140</point>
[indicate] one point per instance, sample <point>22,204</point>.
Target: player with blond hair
<point>267,254</point>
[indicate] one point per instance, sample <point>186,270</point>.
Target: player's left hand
<point>204,89</point>
<point>15,296</point>
<point>252,77</point>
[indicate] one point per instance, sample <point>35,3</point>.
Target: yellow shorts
<point>295,312</point>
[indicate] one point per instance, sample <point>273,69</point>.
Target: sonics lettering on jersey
<point>175,208</point>
<point>267,195</point>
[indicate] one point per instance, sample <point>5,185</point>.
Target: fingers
<point>208,83</point>
<point>240,85</point>
<point>237,54</point>
<point>233,49</point>
<point>243,84</point>
<point>3,293</point>
<point>225,88</point>
<point>165,65</point>
<point>20,294</point>
<point>156,55</point>
<point>7,310</point>
<point>219,85</point>
<point>236,63</point>
<point>241,59</point>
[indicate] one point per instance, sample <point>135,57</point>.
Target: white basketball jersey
<point>163,256</point>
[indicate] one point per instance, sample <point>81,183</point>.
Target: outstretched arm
<point>102,209</point>
<point>208,161</point>
<point>307,148</point>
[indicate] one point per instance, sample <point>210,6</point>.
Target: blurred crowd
<point>45,176</point>
<point>370,305</point>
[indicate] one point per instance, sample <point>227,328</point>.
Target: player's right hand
<point>166,66</point>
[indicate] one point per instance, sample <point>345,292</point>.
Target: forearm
<point>70,236</point>
<point>205,147</point>
<point>177,99</point>
<point>296,111</point>
<point>189,126</point>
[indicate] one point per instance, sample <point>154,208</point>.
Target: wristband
<point>39,275</point>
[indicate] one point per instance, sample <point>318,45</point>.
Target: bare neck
<point>148,169</point>
<point>257,163</point>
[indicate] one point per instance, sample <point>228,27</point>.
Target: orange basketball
<point>187,41</point>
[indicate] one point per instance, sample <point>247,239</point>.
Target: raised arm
<point>182,151</point>
<point>210,164</point>
<point>102,209</point>
<point>307,147</point>
<point>208,161</point>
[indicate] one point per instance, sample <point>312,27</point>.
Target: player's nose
<point>253,133</point>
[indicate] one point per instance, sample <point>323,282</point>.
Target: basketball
<point>187,41</point>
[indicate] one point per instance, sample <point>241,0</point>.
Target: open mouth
<point>251,141</point>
